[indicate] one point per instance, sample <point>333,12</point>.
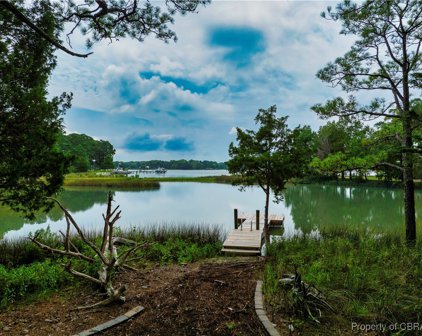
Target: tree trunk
<point>266,224</point>
<point>409,187</point>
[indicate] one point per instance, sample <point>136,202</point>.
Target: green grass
<point>27,272</point>
<point>204,179</point>
<point>111,182</point>
<point>90,179</point>
<point>367,278</point>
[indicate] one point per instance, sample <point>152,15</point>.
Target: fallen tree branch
<point>107,254</point>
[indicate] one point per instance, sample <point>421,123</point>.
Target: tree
<point>343,146</point>
<point>84,152</point>
<point>268,156</point>
<point>387,139</point>
<point>31,168</point>
<point>385,58</point>
<point>107,19</point>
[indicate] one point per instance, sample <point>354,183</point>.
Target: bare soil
<point>208,298</point>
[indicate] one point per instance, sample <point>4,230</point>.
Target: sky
<point>184,100</point>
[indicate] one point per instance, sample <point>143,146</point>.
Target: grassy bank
<point>366,278</point>
<point>146,183</point>
<point>111,182</point>
<point>26,272</point>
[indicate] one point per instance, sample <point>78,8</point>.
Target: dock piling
<point>235,218</point>
<point>257,219</point>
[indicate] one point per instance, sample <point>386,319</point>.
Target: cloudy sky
<point>153,100</point>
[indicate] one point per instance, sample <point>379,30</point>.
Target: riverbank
<point>145,183</point>
<point>186,286</point>
<point>212,297</point>
<point>371,181</point>
<point>181,280</point>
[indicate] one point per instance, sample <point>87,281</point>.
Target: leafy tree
<point>388,138</point>
<point>343,146</point>
<point>30,167</point>
<point>268,156</point>
<point>107,19</point>
<point>85,152</point>
<point>304,148</point>
<point>385,58</point>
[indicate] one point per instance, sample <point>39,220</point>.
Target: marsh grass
<point>144,183</point>
<point>368,277</point>
<point>199,233</point>
<point>112,182</point>
<point>27,272</point>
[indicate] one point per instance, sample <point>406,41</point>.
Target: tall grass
<point>112,182</point>
<point>368,278</point>
<point>192,233</point>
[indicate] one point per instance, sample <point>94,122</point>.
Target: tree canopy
<point>106,19</point>
<point>86,153</point>
<point>31,168</point>
<point>386,59</point>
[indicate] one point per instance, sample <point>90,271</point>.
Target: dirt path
<point>213,298</point>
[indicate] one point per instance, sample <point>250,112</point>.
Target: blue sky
<point>153,100</point>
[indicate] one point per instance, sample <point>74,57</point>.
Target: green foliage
<point>178,250</point>
<point>31,271</point>
<point>30,166</point>
<point>86,153</point>
<point>366,277</point>
<point>17,283</point>
<point>385,57</point>
<point>200,234</point>
<point>271,155</point>
<point>111,182</point>
<point>139,20</point>
<point>343,146</point>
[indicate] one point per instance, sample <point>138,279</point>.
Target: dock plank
<point>246,239</point>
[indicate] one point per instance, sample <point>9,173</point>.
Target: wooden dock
<point>248,234</point>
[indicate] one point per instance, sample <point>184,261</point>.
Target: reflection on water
<point>306,207</point>
<point>313,207</point>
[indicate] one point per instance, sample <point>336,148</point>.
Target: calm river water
<point>306,207</point>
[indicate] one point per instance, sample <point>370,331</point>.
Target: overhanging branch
<point>24,19</point>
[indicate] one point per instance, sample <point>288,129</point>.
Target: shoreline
<point>145,183</point>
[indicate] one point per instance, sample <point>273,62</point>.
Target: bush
<point>17,283</point>
<point>177,250</point>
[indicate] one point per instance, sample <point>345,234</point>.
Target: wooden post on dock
<point>257,219</point>
<point>235,219</point>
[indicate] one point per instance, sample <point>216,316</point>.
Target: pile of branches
<point>308,301</point>
<point>107,254</point>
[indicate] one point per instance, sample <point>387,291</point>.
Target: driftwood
<point>308,300</point>
<point>107,253</point>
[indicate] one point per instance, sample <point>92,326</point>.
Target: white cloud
<point>297,43</point>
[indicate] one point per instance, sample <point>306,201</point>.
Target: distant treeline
<point>173,164</point>
<point>86,153</point>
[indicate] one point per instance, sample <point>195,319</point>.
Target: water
<point>307,208</point>
<point>180,173</point>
